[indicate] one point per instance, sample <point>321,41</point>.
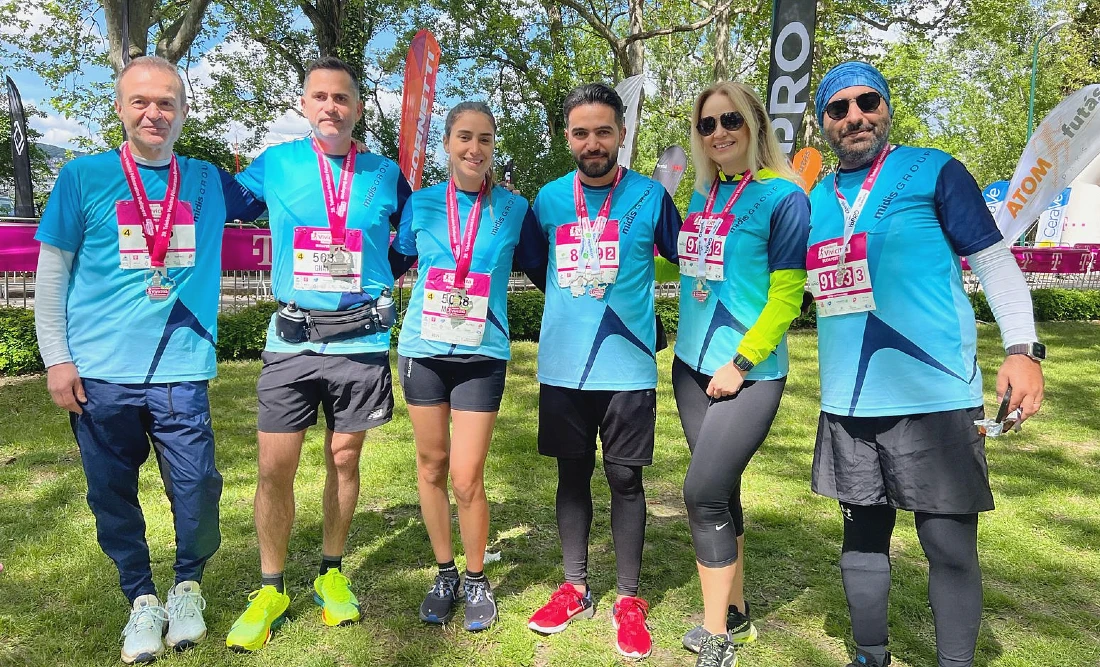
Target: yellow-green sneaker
<point>266,612</point>
<point>332,590</point>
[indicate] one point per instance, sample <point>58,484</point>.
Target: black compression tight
<point>574,510</point>
<point>950,542</point>
<point>722,435</point>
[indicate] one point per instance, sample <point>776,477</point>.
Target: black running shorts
<point>570,419</point>
<point>355,390</point>
<point>932,462</point>
<point>470,382</point>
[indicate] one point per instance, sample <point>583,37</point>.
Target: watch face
<point>1039,351</point>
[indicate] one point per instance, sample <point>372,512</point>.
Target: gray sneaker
<point>716,651</point>
<point>739,627</point>
<point>481,608</point>
<point>186,626</point>
<point>142,638</point>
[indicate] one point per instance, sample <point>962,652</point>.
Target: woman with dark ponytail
<point>454,348</point>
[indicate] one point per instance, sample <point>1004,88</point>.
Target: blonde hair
<point>763,151</point>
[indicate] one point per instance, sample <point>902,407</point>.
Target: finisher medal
<point>159,286</point>
<point>700,293</point>
<point>338,262</point>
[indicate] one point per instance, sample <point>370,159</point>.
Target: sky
<point>60,131</point>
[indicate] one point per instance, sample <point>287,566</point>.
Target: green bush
<point>18,342</point>
<point>1050,305</point>
<point>242,335</point>
<point>525,315</point>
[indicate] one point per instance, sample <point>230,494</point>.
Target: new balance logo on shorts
<point>377,414</point>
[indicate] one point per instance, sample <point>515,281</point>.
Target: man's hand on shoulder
<point>1025,376</point>
<point>66,388</point>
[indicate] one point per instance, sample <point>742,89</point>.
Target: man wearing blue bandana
<point>900,386</point>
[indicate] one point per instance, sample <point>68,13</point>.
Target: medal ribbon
<point>592,231</point>
<point>338,197</point>
<point>462,243</point>
<point>706,234</point>
<point>157,232</point>
<point>851,212</point>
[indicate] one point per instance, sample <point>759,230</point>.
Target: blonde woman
<point>742,256</point>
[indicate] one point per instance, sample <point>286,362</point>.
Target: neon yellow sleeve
<point>785,288</point>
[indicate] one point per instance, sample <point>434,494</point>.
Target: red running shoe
<point>565,604</point>
<point>628,618</point>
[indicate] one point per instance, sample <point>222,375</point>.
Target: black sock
<point>448,570</point>
<point>475,576</point>
<point>331,563</point>
<point>275,580</point>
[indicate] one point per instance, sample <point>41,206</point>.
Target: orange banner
<point>421,66</point>
<point>807,164</point>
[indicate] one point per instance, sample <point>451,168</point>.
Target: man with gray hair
<point>126,314</point>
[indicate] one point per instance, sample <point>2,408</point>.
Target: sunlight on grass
<point>60,603</point>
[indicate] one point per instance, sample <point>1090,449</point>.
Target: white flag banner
<point>1064,144</point>
<point>630,90</point>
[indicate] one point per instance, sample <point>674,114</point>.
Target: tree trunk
<point>635,51</point>
<point>722,46</point>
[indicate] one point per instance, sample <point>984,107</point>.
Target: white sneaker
<point>185,625</point>
<point>142,638</point>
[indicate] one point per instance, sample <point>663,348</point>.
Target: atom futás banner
<point>630,91</point>
<point>1062,147</point>
<point>421,66</point>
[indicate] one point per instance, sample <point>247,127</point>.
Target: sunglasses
<point>867,102</point>
<point>731,121</point>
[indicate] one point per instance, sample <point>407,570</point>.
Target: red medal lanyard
<point>157,232</point>
<point>706,233</point>
<point>336,201</point>
<point>462,243</point>
<point>582,206</point>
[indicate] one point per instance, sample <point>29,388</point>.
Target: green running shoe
<point>332,591</point>
<point>266,612</point>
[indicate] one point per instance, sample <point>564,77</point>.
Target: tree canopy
<point>959,69</point>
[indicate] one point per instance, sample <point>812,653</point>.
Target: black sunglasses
<point>731,121</point>
<point>867,102</point>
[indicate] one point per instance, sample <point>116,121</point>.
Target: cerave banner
<point>994,194</point>
<point>421,66</point>
<point>1061,148</point>
<point>1049,231</point>
<point>789,66</point>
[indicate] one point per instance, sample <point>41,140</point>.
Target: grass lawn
<point>60,602</point>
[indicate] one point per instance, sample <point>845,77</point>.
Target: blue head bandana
<point>851,73</point>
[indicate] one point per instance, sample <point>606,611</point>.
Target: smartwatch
<point>1036,351</point>
<point>742,362</point>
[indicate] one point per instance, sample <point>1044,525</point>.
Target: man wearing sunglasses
<point>900,385</point>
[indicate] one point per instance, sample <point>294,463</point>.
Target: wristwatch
<point>742,362</point>
<point>1036,351</point>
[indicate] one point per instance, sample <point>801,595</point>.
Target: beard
<point>596,169</point>
<point>862,152</point>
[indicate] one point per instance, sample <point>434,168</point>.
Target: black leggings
<point>574,509</point>
<point>722,436</point>
<point>950,542</point>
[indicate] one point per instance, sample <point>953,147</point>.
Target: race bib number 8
<point>312,253</point>
<point>133,250</point>
<point>717,228</point>
<point>455,316</point>
<point>846,291</point>
<point>568,253</point>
